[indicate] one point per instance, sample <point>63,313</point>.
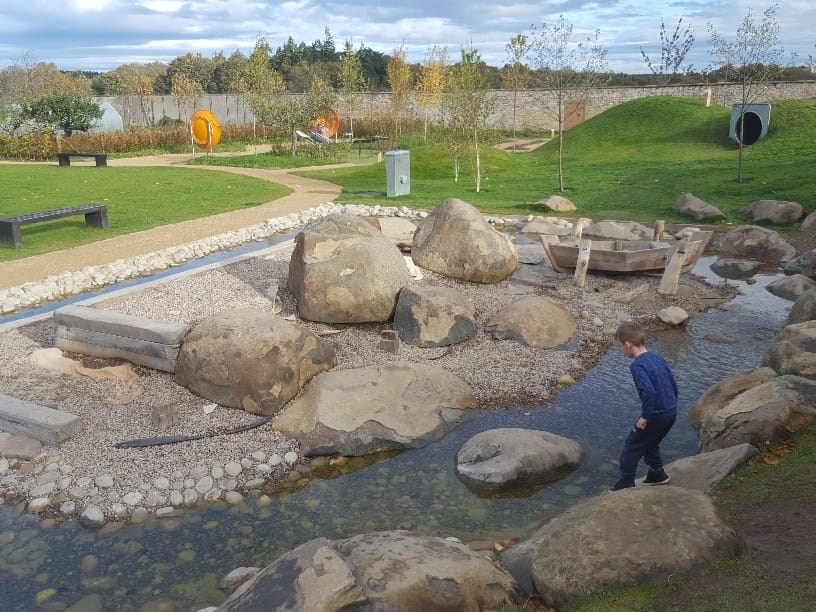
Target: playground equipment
<point>205,130</point>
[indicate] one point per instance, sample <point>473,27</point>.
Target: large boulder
<point>556,203</point>
<point>791,287</point>
<point>364,410</point>
<point>250,359</point>
<point>513,456</point>
<point>775,211</point>
<point>729,267</point>
<point>719,394</point>
<point>794,350</point>
<point>434,316</point>
<point>611,542</point>
<point>387,570</point>
<point>771,410</point>
<point>808,225</point>
<point>804,308</point>
<point>534,320</point>
<point>456,241</point>
<point>344,270</point>
<point>756,242</point>
<point>689,204</point>
<point>804,264</point>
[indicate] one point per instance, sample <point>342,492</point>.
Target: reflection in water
<point>182,560</point>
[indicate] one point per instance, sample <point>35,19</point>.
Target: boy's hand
<point>641,423</point>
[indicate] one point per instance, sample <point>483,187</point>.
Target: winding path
<point>306,194</point>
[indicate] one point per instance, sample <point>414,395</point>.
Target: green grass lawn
<point>630,162</point>
<point>137,199</point>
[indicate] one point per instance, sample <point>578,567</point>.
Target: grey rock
<point>722,392</point>
<point>434,316</point>
<point>92,517</point>
<point>794,350</point>
<point>691,205</point>
<point>729,267</point>
<point>791,287</point>
<point>804,308</point>
<point>804,264</point>
<point>775,211</point>
<point>513,456</point>
<point>756,242</point>
<point>704,471</point>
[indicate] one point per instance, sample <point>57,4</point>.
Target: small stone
<point>161,483</point>
<point>68,508</point>
<point>83,482</point>
<point>254,483</point>
<point>257,457</point>
<point>263,468</point>
<point>274,460</point>
<point>176,498</point>
<point>140,515</point>
<point>89,564</point>
<point>104,482</point>
<point>212,495</point>
<point>233,468</point>
<point>293,476</point>
<point>204,484</point>
<point>92,517</point>
<point>119,510</point>
<point>133,498</point>
<point>291,457</point>
<point>233,497</point>
<point>246,463</point>
<point>565,380</point>
<point>190,497</point>
<point>217,472</point>
<point>38,504</point>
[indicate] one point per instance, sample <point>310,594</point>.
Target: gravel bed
<point>167,478</point>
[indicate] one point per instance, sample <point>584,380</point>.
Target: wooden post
<point>578,227</point>
<point>671,275</point>
<point>582,265</point>
<point>658,229</point>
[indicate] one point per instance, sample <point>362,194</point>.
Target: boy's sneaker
<point>656,477</point>
<point>622,484</point>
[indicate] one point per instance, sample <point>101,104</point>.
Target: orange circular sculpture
<point>327,121</point>
<point>205,129</point>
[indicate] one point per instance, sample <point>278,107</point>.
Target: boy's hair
<point>631,332</point>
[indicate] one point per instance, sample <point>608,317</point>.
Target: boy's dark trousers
<point>645,443</point>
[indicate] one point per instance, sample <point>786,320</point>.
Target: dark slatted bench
<point>96,215</point>
<point>65,158</point>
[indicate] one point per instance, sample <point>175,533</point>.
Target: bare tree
<point>568,72</point>
<point>673,52</point>
<point>752,59</point>
<point>516,74</point>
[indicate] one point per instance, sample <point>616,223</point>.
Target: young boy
<point>657,390</point>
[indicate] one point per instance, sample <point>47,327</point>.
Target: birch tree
<point>751,59</point>
<point>516,74</point>
<point>568,72</point>
<point>469,104</point>
<point>399,78</point>
<point>673,51</point>
<point>352,81</point>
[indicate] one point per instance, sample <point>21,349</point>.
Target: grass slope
<point>630,162</point>
<point>137,199</point>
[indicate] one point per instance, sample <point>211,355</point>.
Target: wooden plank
<point>671,276</point>
<point>103,340</point>
<point>46,424</point>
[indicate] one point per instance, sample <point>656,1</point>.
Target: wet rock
<point>791,287</point>
<point>729,267</point>
<point>363,410</point>
<point>434,316</point>
<point>92,517</point>
<point>673,315</point>
<point>505,457</point>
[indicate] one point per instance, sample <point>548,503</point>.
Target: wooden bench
<point>96,215</point>
<point>64,159</point>
<point>147,342</point>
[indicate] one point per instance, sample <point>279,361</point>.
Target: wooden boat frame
<point>624,255</point>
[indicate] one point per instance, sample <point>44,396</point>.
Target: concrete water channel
<point>179,562</point>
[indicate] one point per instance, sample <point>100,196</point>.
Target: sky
<point>99,35</point>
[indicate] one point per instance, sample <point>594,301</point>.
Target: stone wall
<point>530,106</point>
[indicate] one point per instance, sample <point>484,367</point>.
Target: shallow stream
<point>180,561</point>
